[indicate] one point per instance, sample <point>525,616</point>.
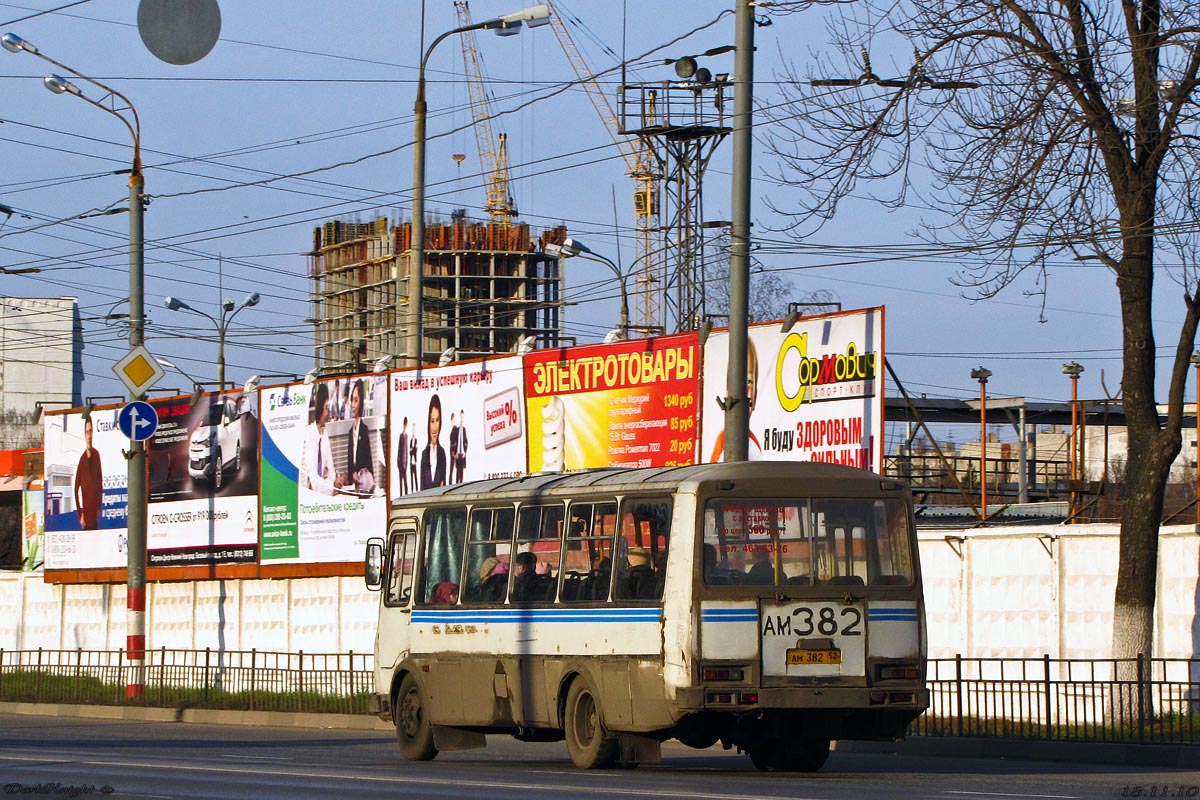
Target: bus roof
<point>619,480</point>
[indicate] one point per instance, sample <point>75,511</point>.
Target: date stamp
<point>56,789</point>
<point>1160,790</point>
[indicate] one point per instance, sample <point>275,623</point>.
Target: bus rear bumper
<point>741,699</point>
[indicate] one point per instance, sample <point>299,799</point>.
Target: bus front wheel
<point>588,743</point>
<point>412,723</point>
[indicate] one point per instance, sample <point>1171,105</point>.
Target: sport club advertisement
<point>457,423</point>
<point>85,490</point>
<point>203,481</point>
<point>323,466</point>
<point>629,404</point>
<point>815,390</point>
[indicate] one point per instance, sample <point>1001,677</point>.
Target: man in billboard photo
<point>402,457</point>
<point>89,482</point>
<point>454,430</point>
<point>316,465</point>
<point>433,457</point>
<point>459,465</point>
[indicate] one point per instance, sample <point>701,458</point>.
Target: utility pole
<point>737,401</point>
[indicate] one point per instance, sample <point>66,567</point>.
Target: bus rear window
<point>778,543</point>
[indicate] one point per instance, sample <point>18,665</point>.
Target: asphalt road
<point>70,757</point>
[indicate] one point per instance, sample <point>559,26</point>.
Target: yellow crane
<point>493,158</point>
<point>639,165</point>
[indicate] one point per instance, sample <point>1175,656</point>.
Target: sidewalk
<point>1145,755</point>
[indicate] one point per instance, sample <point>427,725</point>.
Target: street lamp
<point>508,24</point>
<point>228,312</point>
<point>574,247</point>
<point>136,481</point>
<point>982,374</point>
<point>1074,370</point>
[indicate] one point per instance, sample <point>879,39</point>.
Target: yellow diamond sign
<point>138,370</point>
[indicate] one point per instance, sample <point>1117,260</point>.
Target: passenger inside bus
<point>639,581</point>
<point>718,572</point>
<point>445,592</point>
<point>762,571</point>
<point>528,584</point>
<point>493,575</point>
<point>596,585</point>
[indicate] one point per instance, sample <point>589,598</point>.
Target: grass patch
<point>34,686</point>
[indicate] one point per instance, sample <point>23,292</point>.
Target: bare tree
<point>1044,128</point>
<point>770,292</point>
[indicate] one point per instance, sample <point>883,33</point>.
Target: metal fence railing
<point>1149,700</point>
<point>243,679</point>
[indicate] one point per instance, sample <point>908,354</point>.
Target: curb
<point>202,716</point>
<point>1145,755</point>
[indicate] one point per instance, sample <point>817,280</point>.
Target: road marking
<point>601,791</point>
<point>1039,796</point>
<point>257,758</point>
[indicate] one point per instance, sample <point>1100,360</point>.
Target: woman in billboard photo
<point>316,466</point>
<point>433,457</point>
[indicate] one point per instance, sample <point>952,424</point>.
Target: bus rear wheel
<point>588,743</point>
<point>790,755</point>
<point>413,730</point>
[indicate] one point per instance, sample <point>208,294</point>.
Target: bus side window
<point>587,554</point>
<point>400,563</point>
<point>488,555</point>
<point>642,550</point>
<point>445,535</point>
<point>538,553</point>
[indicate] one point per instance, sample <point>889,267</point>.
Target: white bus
<point>769,606</point>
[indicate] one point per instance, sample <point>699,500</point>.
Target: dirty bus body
<point>772,607</point>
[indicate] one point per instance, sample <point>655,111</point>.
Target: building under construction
<point>487,288</point>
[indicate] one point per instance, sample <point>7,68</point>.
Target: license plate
<point>797,658</point>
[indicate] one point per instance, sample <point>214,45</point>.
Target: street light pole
<point>228,312</point>
<point>534,16</point>
<point>982,374</point>
<point>1074,370</point>
<point>135,503</point>
<point>1195,359</point>
<point>574,247</point>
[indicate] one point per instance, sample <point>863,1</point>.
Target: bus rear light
<point>722,698</point>
<point>878,697</point>
<point>900,697</point>
<point>748,698</point>
<point>724,674</point>
<point>899,673</point>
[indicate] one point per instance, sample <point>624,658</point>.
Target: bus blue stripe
<point>502,616</point>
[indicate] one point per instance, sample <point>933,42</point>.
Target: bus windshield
<point>807,542</point>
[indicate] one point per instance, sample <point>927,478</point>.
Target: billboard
<point>203,481</point>
<point>33,505</point>
<point>323,463</point>
<point>458,423</point>
<point>630,404</point>
<point>86,491</point>
<point>815,390</point>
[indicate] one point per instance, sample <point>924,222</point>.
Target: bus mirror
<point>373,569</point>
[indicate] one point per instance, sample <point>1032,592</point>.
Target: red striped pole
<point>135,641</point>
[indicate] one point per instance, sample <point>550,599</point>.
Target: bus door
<point>392,638</point>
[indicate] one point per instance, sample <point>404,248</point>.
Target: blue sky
<point>323,92</point>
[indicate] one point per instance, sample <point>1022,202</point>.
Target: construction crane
<point>493,158</point>
<point>638,162</point>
